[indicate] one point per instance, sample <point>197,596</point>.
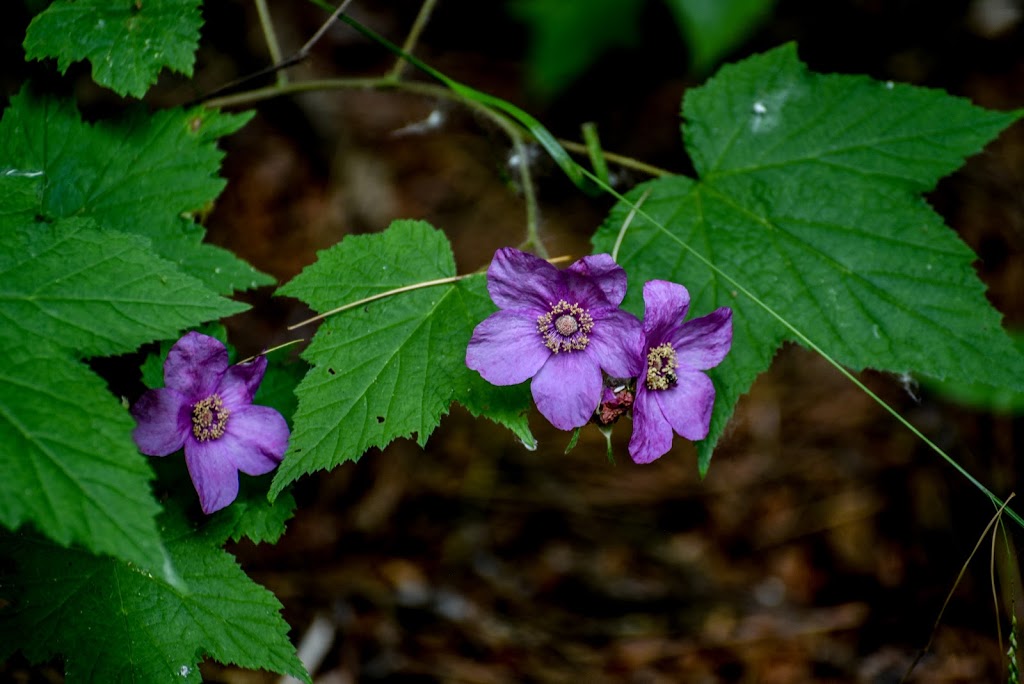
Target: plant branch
<point>296,58</point>
<point>422,17</point>
<point>271,37</point>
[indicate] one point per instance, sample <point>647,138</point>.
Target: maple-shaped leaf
<point>392,367</point>
<point>110,621</point>
<point>809,196</point>
<point>67,291</point>
<point>146,174</point>
<point>128,42</point>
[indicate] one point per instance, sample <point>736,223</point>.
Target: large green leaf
<point>809,196</point>
<point>145,174</point>
<point>392,367</point>
<point>94,292</point>
<point>127,41</point>
<point>113,622</point>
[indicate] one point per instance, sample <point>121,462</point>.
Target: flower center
<point>209,418</point>
<point>661,367</point>
<point>565,327</point>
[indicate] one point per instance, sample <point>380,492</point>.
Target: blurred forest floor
<point>823,542</point>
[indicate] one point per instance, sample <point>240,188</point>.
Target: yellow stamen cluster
<point>209,418</point>
<point>565,327</point>
<point>661,367</point>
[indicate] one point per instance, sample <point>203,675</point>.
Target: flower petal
<point>665,306</point>
<point>517,280</point>
<point>703,342</point>
<point>256,440</point>
<point>214,476</point>
<point>608,275</point>
<point>687,406</point>
<point>615,343</point>
<point>506,348</point>
<point>244,379</point>
<point>652,434</point>
<point>567,389</point>
<point>163,421</point>
<point>195,364</point>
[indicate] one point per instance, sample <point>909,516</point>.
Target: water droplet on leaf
<point>532,446</point>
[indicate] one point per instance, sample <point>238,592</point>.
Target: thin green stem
<point>627,223</point>
<point>592,142</point>
<point>338,13</point>
<point>529,196</point>
<point>619,159</point>
<point>422,17</point>
<point>380,295</point>
<point>272,349</point>
<point>271,37</point>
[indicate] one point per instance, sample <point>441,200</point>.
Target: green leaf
<point>20,193</point>
<point>392,367</point>
<point>714,27</point>
<point>113,622</point>
<point>976,395</point>
<point>94,292</point>
<point>252,515</point>
<point>69,467</point>
<point>146,174</point>
<point>127,41</point>
<point>809,197</point>
<point>568,36</point>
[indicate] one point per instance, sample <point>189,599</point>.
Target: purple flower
<point>206,407</point>
<point>561,328</point>
<point>672,392</point>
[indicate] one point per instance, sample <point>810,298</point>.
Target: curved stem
<point>250,97</point>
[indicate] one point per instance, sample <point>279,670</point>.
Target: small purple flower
<point>561,328</point>
<point>206,407</point>
<point>672,392</point>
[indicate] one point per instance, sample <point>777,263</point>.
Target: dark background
<point>823,542</point>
